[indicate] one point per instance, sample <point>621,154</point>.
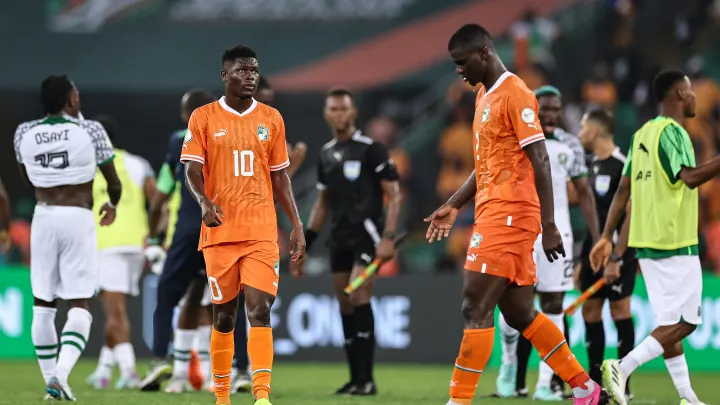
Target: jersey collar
<point>227,108</point>
<point>498,82</point>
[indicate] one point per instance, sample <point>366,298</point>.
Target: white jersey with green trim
<point>61,150</point>
<point>567,161</point>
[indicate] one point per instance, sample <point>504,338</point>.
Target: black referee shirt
<point>604,177</point>
<point>350,172</point>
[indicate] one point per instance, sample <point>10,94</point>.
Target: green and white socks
<point>45,339</point>
<point>73,341</point>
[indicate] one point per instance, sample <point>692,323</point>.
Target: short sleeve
<point>17,140</point>
<point>321,181</point>
<point>578,167</point>
<point>522,113</point>
<point>627,169</point>
<point>278,156</point>
<point>380,162</point>
<point>194,144</point>
<point>673,152</point>
<point>147,169</point>
<point>104,151</point>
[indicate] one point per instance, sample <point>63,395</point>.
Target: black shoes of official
<point>359,389</point>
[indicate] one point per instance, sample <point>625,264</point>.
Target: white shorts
<point>558,275</point>
<point>63,253</point>
<point>674,288</point>
<point>120,271</point>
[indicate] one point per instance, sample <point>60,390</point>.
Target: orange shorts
<point>229,266</point>
<point>503,251</point>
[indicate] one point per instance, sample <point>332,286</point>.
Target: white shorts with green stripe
<point>674,288</point>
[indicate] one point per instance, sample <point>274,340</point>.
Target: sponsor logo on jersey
<point>220,133</point>
<point>563,158</point>
<point>602,184</point>
<point>262,133</point>
<point>351,169</point>
<point>486,113</point>
<point>476,239</point>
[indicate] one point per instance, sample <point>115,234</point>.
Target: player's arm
<point>624,236</point>
<point>4,208</point>
<point>586,199</point>
<point>465,193</point>
<point>678,163</point>
<point>297,157</point>
<point>193,155</point>
<point>165,185</point>
<point>537,153</point>
<point>386,173</point>
<point>320,209</point>
<point>104,155</point>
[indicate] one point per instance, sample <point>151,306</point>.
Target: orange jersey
<point>506,120</point>
<point>238,152</point>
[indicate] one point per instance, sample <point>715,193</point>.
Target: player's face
<point>265,95</point>
<point>339,112</point>
<point>687,93</point>
<point>549,112</point>
<point>587,134</point>
<point>241,77</point>
<point>471,63</point>
<point>73,106</point>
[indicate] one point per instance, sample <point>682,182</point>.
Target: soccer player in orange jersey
<point>235,159</point>
<point>513,194</point>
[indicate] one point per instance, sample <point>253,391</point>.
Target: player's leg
<point>594,335</point>
<point>242,382</point>
<point>516,305</point>
<point>620,295</point>
<point>78,267</point>
<point>100,378</point>
<point>44,279</point>
<point>364,341</point>
<point>260,274</point>
<point>341,264</point>
<point>674,287</point>
<point>506,379</point>
<point>180,269</point>
<point>223,274</point>
<point>202,343</point>
<point>185,335</point>
<point>551,306</point>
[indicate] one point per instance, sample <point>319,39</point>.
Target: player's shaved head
<point>341,92</point>
<point>470,35</point>
<point>55,92</point>
<point>194,99</point>
<point>604,119</point>
<point>238,52</point>
<point>666,81</point>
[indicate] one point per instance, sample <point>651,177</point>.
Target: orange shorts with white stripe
<point>503,251</point>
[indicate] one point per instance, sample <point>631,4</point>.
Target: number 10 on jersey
<point>244,161</point>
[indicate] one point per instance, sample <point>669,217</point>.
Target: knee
<point>360,297</point>
<point>520,321</point>
<point>620,310</point>
<point>224,322</point>
<point>259,315</point>
<point>346,306</point>
<point>551,303</point>
<point>592,311</point>
<point>478,314</point>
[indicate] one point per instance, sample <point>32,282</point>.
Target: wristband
<point>310,237</point>
<point>110,204</point>
<point>153,241</point>
<point>614,257</point>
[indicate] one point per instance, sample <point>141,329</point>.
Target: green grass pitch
<point>312,384</point>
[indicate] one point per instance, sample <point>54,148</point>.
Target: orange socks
<point>553,349</point>
<point>475,351</point>
<point>260,352</point>
<point>222,349</point>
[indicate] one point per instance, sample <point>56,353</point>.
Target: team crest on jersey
<point>486,113</point>
<point>527,115</point>
<point>262,133</point>
<point>563,158</point>
<point>351,169</point>
<point>276,267</point>
<point>602,184</point>
<point>476,239</point>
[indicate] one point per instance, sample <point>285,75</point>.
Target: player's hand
<point>297,268</point>
<point>297,243</point>
<point>212,214</point>
<point>155,255</point>
<point>107,214</point>
<point>552,242</point>
<point>600,254</point>
<point>297,153</point>
<point>385,249</point>
<point>441,221</point>
<point>5,241</point>
<point>611,272</point>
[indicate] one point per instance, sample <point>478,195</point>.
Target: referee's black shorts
<point>352,247</point>
<point>621,288</point>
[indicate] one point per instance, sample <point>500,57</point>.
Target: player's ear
<point>223,75</point>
